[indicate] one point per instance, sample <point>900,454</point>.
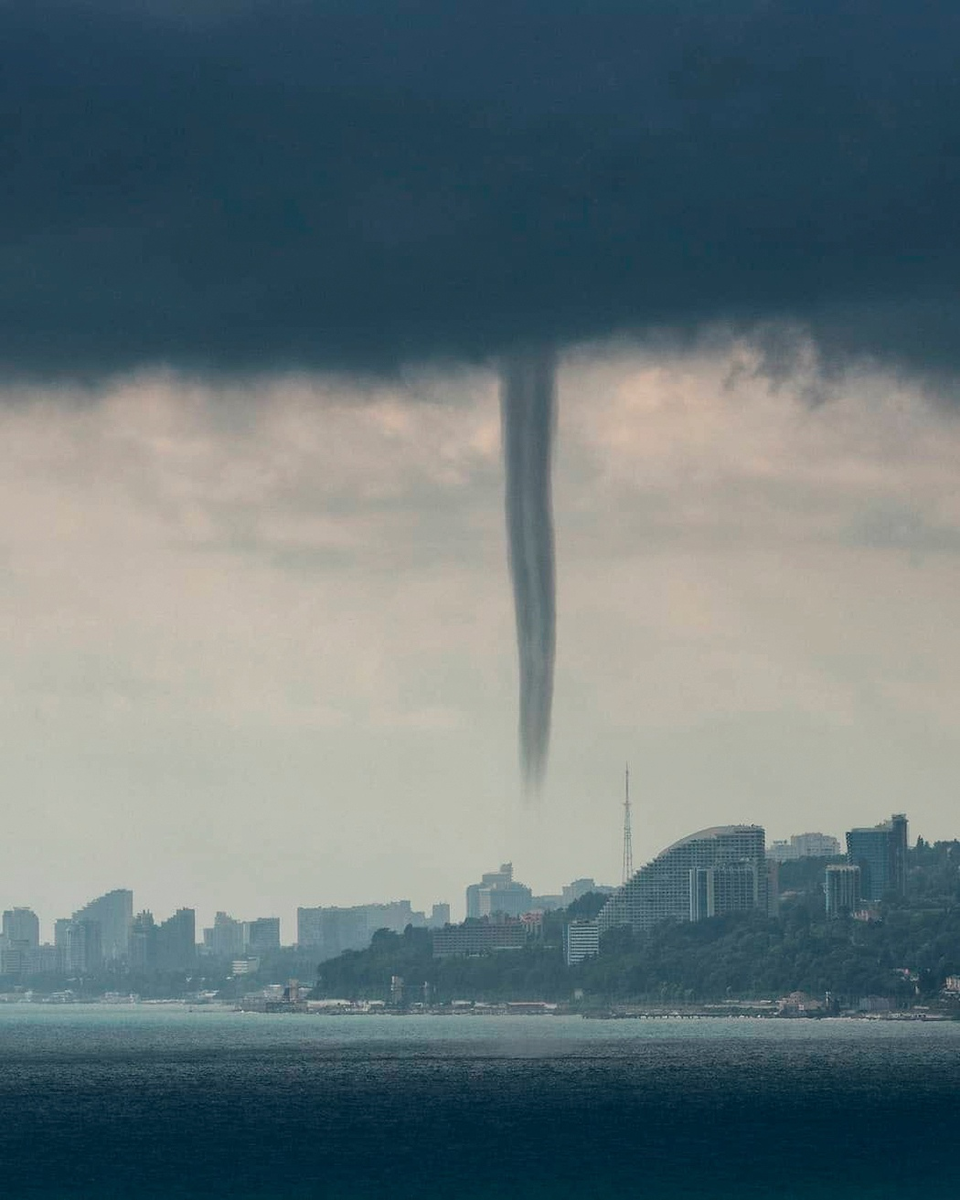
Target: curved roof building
<point>713,871</point>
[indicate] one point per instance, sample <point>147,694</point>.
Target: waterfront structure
<point>498,892</point>
<point>113,912</point>
<point>21,926</point>
<point>805,845</point>
<point>673,888</point>
<point>881,854</point>
<point>581,939</point>
<point>841,888</point>
<point>481,936</point>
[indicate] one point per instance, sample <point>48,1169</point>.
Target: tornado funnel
<point>528,417</point>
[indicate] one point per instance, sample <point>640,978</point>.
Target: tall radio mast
<point>627,834</point>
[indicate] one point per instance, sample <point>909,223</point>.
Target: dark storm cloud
<point>289,184</point>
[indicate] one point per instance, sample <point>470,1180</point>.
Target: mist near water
<point>528,416</point>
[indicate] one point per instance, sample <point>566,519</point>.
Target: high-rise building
<point>263,935</point>
<point>84,947</point>
<point>581,939</point>
<point>15,957</point>
<point>489,879</point>
<point>881,854</point>
<point>677,886</point>
<point>22,925</point>
<point>143,943</point>
<point>113,912</point>
<point>726,887</point>
<point>49,959</point>
<point>176,941</point>
<point>842,889</point>
<point>498,892</point>
<point>439,916</point>
<point>332,930</point>
<point>225,938</point>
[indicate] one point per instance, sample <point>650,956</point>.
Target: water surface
<point>153,1102</point>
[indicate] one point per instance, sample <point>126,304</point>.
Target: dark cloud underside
<point>284,184</point>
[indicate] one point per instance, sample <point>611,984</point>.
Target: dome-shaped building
<point>714,871</point>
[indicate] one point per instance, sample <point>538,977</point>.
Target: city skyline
<point>498,891</point>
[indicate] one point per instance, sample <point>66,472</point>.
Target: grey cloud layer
<point>352,185</point>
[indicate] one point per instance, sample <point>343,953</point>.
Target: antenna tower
<point>627,835</point>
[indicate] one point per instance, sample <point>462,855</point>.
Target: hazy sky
<point>259,649</point>
<point>257,263</point>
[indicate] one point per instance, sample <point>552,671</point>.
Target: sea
<point>104,1102</point>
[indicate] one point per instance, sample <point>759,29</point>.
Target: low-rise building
<point>480,936</point>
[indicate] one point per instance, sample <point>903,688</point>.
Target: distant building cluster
<point>97,934</point>
<point>498,892</point>
<point>804,845</point>
<point>876,867</point>
<point>713,872</point>
<point>331,930</point>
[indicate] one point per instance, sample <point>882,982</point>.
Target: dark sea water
<point>99,1103</point>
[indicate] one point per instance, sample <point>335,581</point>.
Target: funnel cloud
<point>528,407</point>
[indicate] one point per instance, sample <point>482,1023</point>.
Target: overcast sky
<point>257,264</point>
<point>259,652</point>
